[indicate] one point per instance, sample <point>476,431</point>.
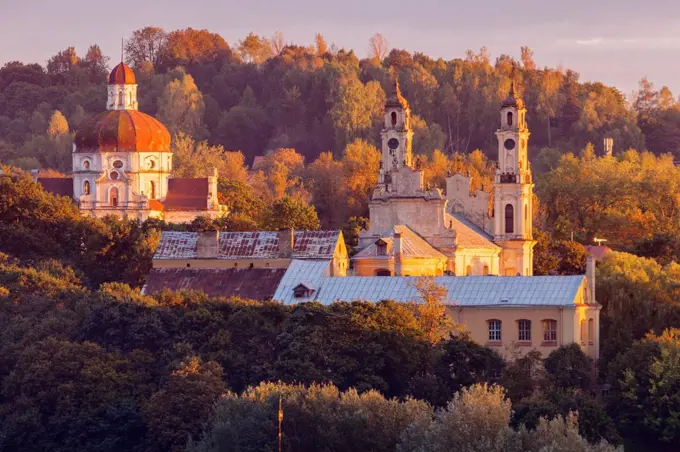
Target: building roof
<point>62,186</point>
<point>308,272</point>
<point>122,130</point>
<point>461,290</point>
<point>122,75</point>
<point>249,283</point>
<point>468,234</point>
<point>413,246</point>
<point>187,194</point>
<point>394,97</point>
<point>250,245</point>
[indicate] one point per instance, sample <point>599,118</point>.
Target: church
<point>416,230</point>
<point>122,165</point>
<point>484,261</point>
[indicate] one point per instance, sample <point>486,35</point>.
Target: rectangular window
<point>550,330</point>
<point>524,330</point>
<point>495,330</point>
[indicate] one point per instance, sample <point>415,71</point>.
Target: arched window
<point>113,196</point>
<point>394,118</point>
<point>591,331</point>
<point>86,164</point>
<point>130,98</point>
<point>468,271</point>
<point>86,187</point>
<point>583,331</point>
<point>121,97</point>
<point>524,330</point>
<point>526,213</point>
<point>152,190</point>
<point>509,219</point>
<point>509,118</point>
<point>494,330</point>
<point>485,270</point>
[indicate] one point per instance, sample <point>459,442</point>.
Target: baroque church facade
<point>122,164</point>
<point>417,230</point>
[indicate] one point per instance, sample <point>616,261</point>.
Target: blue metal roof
<point>461,290</point>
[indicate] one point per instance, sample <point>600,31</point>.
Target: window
<point>509,219</point>
<point>86,164</point>
<point>468,271</point>
<point>485,270</point>
<point>509,118</point>
<point>495,330</point>
<point>524,327</point>
<point>118,164</point>
<point>152,190</point>
<point>86,188</point>
<point>526,213</point>
<point>302,291</point>
<point>550,330</point>
<point>591,331</point>
<point>383,272</point>
<point>120,97</point>
<point>113,175</point>
<point>583,331</point>
<point>113,197</point>
<point>381,247</point>
<point>394,118</point>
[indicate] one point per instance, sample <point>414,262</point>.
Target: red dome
<point>124,131</point>
<point>122,75</point>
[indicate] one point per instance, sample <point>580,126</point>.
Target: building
<point>246,264</point>
<point>122,164</point>
<point>418,231</point>
<point>484,261</point>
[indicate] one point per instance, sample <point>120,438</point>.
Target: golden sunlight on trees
<point>197,159</point>
<point>58,125</point>
<point>256,49</point>
<point>431,311</point>
<point>181,108</point>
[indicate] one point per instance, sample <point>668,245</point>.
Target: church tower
<point>396,135</point>
<point>513,190</point>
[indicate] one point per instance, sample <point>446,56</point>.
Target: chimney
<point>590,276</point>
<point>398,254</point>
<point>208,244</point>
<point>286,242</point>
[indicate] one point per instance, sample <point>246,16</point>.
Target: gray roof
<point>461,290</point>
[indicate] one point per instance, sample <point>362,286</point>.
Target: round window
<point>509,144</point>
<point>86,164</point>
<point>118,164</point>
<point>393,143</point>
<point>113,175</point>
<point>151,164</point>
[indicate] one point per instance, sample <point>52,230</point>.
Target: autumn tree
<point>431,310</point>
<point>290,213</point>
<point>181,108</point>
<point>198,159</point>
<point>191,47</point>
<point>378,47</point>
<point>256,49</point>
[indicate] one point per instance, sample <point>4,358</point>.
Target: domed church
<point>122,164</point>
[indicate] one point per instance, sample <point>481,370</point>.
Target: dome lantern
<point>122,91</point>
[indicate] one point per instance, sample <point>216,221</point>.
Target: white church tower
<point>513,190</point>
<point>396,135</point>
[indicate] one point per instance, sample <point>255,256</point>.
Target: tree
<point>278,42</point>
<point>290,213</point>
<point>63,62</point>
<point>96,64</point>
<point>191,47</point>
<point>181,108</point>
<point>378,47</point>
<point>255,49</point>
<point>320,44</point>
<point>569,368</point>
<point>431,310</point>
<point>177,412</point>
<point>58,125</point>
<point>199,159</point>
<point>146,45</point>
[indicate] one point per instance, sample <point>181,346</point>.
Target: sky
<point>613,41</point>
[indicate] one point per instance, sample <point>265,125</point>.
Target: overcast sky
<point>616,42</point>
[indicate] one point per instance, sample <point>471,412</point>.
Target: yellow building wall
<point>409,267</point>
<point>476,322</point>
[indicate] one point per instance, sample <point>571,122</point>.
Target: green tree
<point>181,108</point>
<point>290,213</point>
<point>569,368</point>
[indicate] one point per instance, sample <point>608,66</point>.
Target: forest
<point>88,363</point>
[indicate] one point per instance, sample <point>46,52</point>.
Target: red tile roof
<point>122,75</point>
<point>62,186</point>
<point>260,244</point>
<point>122,130</point>
<point>249,283</point>
<point>187,194</point>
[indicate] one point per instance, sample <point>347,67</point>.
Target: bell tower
<point>396,135</point>
<point>513,190</point>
